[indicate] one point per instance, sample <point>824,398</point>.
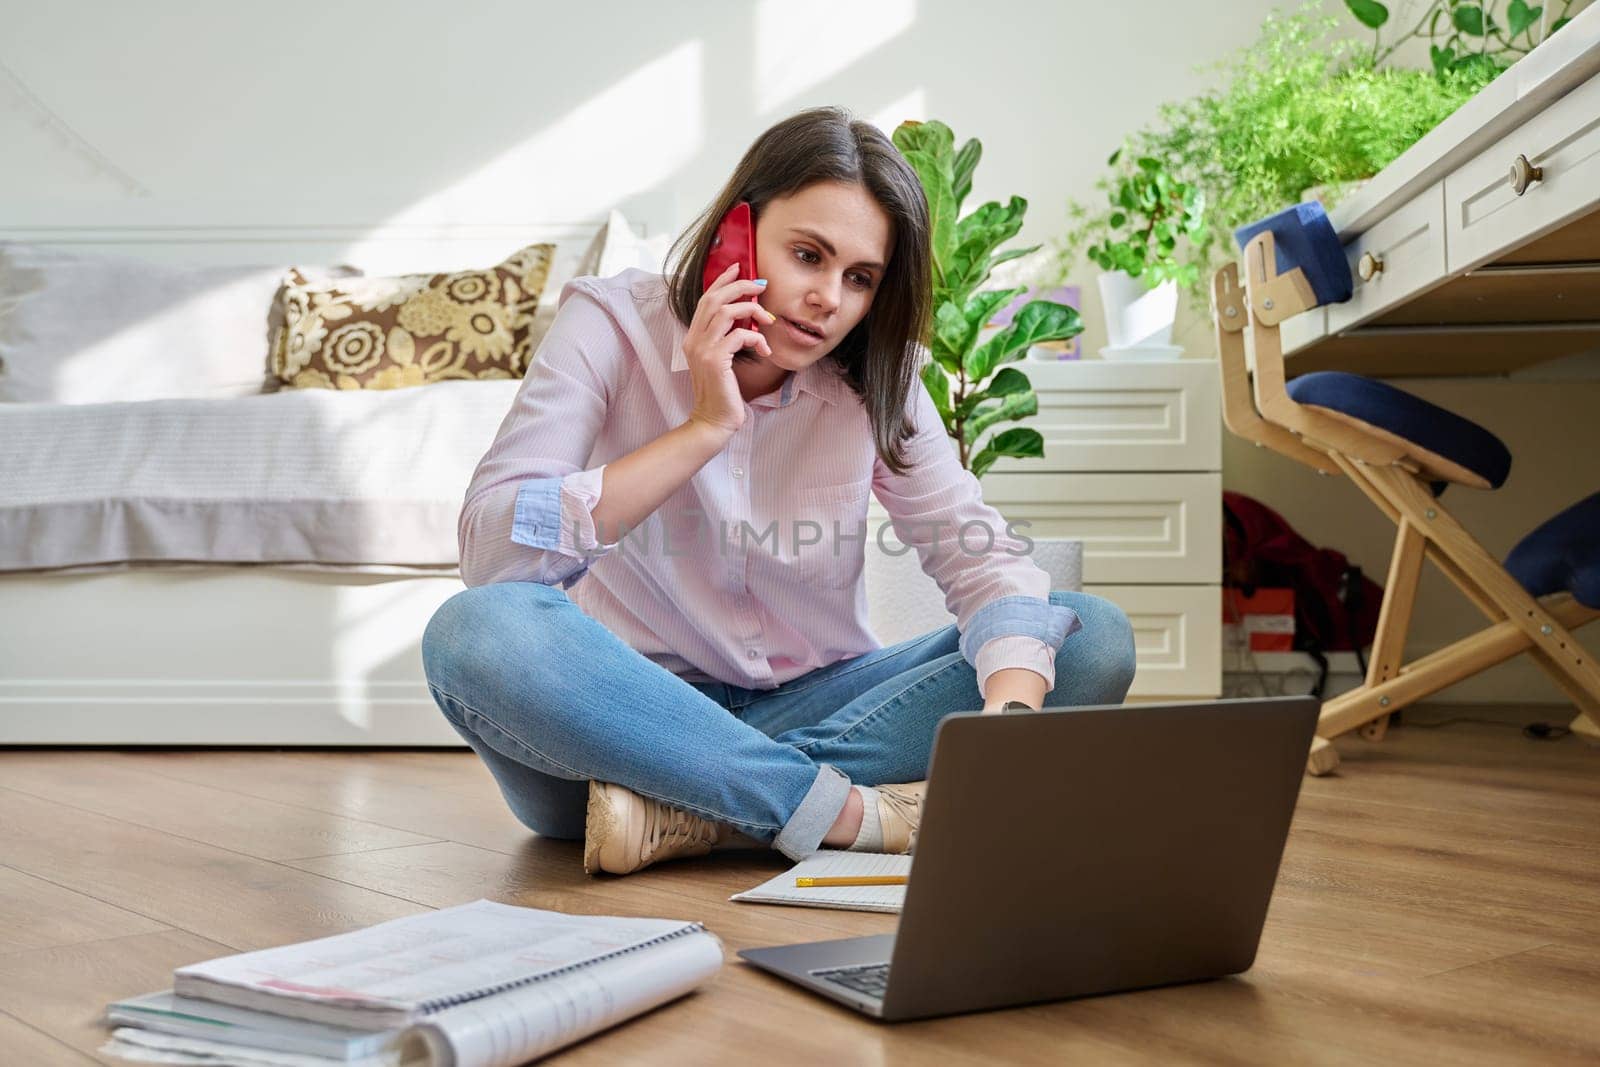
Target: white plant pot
<point>1134,314</point>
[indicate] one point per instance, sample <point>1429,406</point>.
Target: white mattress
<point>316,479</point>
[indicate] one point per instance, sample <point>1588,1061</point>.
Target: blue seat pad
<point>1412,418</point>
<point>1562,555</point>
<point>1305,238</point>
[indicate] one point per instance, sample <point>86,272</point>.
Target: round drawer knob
<point>1524,174</point>
<point>1369,267</point>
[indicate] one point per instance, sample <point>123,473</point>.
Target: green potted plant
<point>967,377</point>
<point>1291,112</point>
<point>1151,210</point>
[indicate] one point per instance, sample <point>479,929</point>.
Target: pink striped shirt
<point>751,573</point>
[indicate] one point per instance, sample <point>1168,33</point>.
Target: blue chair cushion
<point>1306,239</point>
<point>1428,426</point>
<point>1562,555</point>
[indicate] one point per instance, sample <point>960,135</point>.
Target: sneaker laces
<point>905,803</point>
<point>667,827</point>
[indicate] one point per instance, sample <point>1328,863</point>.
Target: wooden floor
<point>1439,902</point>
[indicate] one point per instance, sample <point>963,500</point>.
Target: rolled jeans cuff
<point>815,816</point>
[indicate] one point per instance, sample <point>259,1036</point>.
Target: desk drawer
<point>1177,637</point>
<point>1103,415</point>
<point>1408,249</point>
<point>1485,218</point>
<point>1135,528</point>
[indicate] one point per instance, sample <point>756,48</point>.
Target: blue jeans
<point>549,699</point>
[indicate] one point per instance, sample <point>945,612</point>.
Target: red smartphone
<point>734,242</point>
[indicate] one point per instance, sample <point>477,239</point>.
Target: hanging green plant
<point>1291,113</point>
<point>1466,35</point>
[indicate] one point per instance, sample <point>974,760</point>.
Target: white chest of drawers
<point>1132,469</point>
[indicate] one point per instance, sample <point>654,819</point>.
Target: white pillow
<point>623,249</point>
<point>569,263</point>
<point>85,328</point>
<point>614,248</point>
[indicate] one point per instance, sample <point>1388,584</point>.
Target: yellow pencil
<point>874,879</point>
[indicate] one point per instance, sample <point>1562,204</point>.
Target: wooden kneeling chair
<point>1400,451</point>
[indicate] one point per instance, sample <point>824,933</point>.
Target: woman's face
<point>823,251</point>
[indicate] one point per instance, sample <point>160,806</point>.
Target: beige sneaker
<point>624,831</point>
<point>900,814</point>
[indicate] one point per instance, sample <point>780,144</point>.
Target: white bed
<point>131,653</point>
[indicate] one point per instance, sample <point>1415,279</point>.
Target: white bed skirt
<point>204,654</point>
<point>218,655</point>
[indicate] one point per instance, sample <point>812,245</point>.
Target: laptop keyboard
<point>871,979</point>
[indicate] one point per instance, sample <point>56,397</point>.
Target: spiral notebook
<point>829,864</point>
<point>479,985</point>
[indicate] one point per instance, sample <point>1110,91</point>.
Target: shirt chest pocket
<point>829,534</point>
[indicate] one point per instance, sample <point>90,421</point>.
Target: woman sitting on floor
<point>722,688</point>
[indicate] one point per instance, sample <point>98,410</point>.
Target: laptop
<point>1075,851</point>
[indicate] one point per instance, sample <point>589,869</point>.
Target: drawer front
<point>1409,245</point>
<point>1485,218</point>
<point>1177,637</point>
<point>1098,415</point>
<point>1135,528</point>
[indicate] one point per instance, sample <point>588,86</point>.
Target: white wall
<point>495,112</point>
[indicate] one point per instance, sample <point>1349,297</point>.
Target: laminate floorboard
<point>1437,902</point>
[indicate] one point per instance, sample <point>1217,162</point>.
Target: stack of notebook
<point>479,985</point>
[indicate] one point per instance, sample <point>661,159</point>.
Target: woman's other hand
<point>712,343</point>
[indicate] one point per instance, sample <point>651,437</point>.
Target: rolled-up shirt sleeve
<point>527,515</point>
<point>999,596</point>
<point>557,513</point>
<point>1013,623</point>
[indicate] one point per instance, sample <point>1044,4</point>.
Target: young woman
<point>711,680</point>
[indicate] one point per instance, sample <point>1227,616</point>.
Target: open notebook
<point>479,985</point>
<point>782,890</point>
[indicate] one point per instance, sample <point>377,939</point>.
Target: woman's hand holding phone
<point>712,342</point>
<point>640,482</point>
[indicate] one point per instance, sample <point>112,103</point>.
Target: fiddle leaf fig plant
<point>970,386</point>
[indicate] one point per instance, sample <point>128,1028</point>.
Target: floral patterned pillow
<point>411,329</point>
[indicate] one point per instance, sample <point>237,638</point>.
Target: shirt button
<point>738,472</point>
<point>752,653</point>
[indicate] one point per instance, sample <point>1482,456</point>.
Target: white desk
<point>1473,277</point>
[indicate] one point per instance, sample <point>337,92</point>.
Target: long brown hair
<point>880,357</point>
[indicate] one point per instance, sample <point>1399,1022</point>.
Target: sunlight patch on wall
<point>374,657</point>
<point>630,137</point>
<point>914,105</point>
<point>799,46</point>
